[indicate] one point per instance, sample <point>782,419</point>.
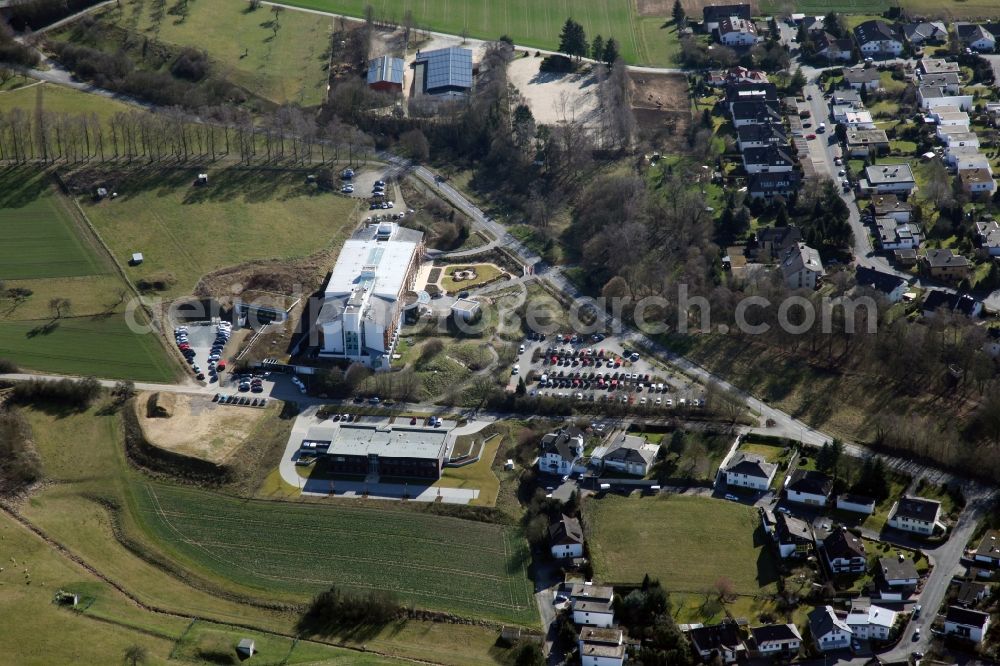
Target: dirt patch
<point>660,7</point>
<point>198,427</point>
<point>662,107</point>
<point>554,98</point>
<point>693,8</point>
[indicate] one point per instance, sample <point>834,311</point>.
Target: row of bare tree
<point>287,135</point>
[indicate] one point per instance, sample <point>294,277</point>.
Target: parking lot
<point>595,369</point>
<point>203,344</point>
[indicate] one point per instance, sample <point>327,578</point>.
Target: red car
<point>811,137</point>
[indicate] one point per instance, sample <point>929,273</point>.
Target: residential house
<point>956,137</point>
<point>975,37</point>
<point>977,181</point>
<point>988,550</point>
<point>859,120</point>
<point>889,178</point>
<point>808,487</point>
<point>925,32</point>
<point>386,74</point>
<point>950,82</point>
<point>749,470</point>
<point>601,647</point>
<point>793,536</point>
<point>894,235</point>
<point>627,454</point>
<point>738,74</point>
<point>966,623</point>
<point>970,593</point>
<point>767,185</point>
<point>566,538</point>
<point>772,242</point>
<point>951,118</point>
<point>892,287</point>
<point>915,514</point>
<point>905,257</point>
<point>975,160</point>
<point>750,113</point>
<point>592,604</point>
<point>878,38</point>
<point>955,154</point>
<point>846,97</point>
<point>957,303</point>
<point>829,47</point>
<point>944,264</point>
<point>932,96</point>
<point>889,205</point>
<point>561,451</point>
<point>772,159</point>
<point>853,502</point>
<point>775,640</point>
<point>829,631</point>
<point>870,622</point>
<point>723,639</point>
<point>760,91</point>
<point>801,267</point>
<point>844,552</point>
<point>863,77</point>
<point>761,136</point>
<point>937,66</point>
<point>713,14</point>
<point>737,32</point>
<point>896,577</point>
<point>866,142</point>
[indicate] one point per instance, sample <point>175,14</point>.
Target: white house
<point>771,159</point>
<point>859,120</point>
<point>808,487</point>
<point>749,470</point>
<point>897,577</point>
<point>988,234</point>
<point>975,37</point>
<point>952,118</point>
<point>793,536</point>
<point>561,451</point>
<point>895,235</point>
<point>989,548</point>
<point>844,552</point>
<point>869,622</point>
<point>878,38</point>
<point>889,205</point>
<point>858,503</point>
<point>801,267</point>
<point>974,160</point>
<point>627,454</point>
<point>722,638</point>
<point>712,15</point>
<point>950,82</point>
<point>955,154</point>
<point>977,180</point>
<point>890,178</point>
<point>829,631</point>
<point>592,605</point>
<point>735,31</point>
<point>915,514</point>
<point>566,538</point>
<point>601,647</point>
<point>891,287</point>
<point>863,77</point>
<point>955,137</point>
<point>918,34</point>
<point>965,623</point>
<point>774,640</point>
<point>934,96</point>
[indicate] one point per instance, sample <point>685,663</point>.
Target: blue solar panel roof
<point>447,68</point>
<point>385,68</point>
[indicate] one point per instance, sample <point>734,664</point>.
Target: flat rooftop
<point>385,441</point>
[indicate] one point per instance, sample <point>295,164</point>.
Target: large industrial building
<point>363,302</point>
<point>380,449</point>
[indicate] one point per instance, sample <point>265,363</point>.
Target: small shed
<point>136,259</point>
<point>245,648</point>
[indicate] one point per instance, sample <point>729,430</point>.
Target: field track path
<point>70,555</point>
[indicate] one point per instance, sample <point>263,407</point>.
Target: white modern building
<point>870,622</point>
<point>750,471</point>
<point>915,514</point>
<point>364,299</point>
<point>965,623</point>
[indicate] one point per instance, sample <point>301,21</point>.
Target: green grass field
<point>285,66</point>
<point>241,216</point>
<point>59,99</point>
<point>39,238</point>
<point>687,542</point>
<point>534,24</point>
<point>47,252</point>
<point>83,458</point>
<point>431,561</point>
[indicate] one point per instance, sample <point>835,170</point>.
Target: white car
<point>516,369</point>
<point>347,189</point>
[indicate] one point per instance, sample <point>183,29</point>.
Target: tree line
<point>173,134</point>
